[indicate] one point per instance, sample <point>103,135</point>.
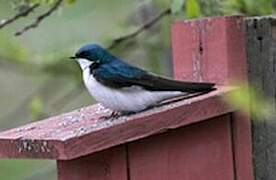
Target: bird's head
<point>92,54</point>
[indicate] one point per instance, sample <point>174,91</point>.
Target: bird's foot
<point>116,114</point>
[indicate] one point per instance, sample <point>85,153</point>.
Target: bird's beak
<point>73,57</point>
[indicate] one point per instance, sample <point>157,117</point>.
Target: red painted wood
<point>106,165</point>
<point>83,132</point>
<point>242,146</point>
<point>202,152</point>
<point>213,49</point>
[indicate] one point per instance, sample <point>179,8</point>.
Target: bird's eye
<point>83,55</point>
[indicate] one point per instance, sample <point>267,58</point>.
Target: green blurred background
<point>37,80</point>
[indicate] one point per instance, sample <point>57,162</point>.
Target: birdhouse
<point>200,138</point>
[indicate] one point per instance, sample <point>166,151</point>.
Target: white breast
<point>130,99</point>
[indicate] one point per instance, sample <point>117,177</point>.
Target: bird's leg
<point>115,114</point>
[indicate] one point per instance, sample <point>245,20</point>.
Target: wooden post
<point>200,138</point>
<point>261,52</point>
<point>216,50</point>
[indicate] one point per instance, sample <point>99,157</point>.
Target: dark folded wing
<point>121,75</point>
<point>157,83</point>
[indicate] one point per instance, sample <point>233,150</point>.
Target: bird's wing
<point>119,75</point>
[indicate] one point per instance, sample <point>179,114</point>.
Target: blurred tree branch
<point>144,27</point>
<point>23,13</point>
<point>55,6</point>
<point>40,18</point>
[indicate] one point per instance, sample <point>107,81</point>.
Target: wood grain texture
<point>261,52</point>
<point>242,146</point>
<point>214,50</point>
<point>83,131</point>
<point>106,165</point>
<point>210,49</point>
<point>202,152</point>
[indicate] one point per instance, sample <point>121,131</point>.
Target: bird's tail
<point>184,86</point>
<point>194,87</point>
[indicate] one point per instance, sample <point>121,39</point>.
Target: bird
<point>125,88</point>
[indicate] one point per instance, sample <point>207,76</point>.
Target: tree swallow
<point>125,88</point>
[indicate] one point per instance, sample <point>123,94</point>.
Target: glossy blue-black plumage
<point>115,73</point>
<point>118,74</point>
<point>94,52</point>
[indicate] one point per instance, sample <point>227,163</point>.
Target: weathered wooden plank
<point>216,49</point>
<point>261,52</point>
<point>210,49</point>
<point>241,128</point>
<point>202,151</point>
<point>83,132</point>
<point>213,49</point>
<point>241,124</point>
<point>110,164</point>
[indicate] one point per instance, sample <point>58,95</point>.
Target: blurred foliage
<point>193,9</point>
<point>12,49</point>
<point>42,53</point>
<point>212,7</point>
<point>24,169</point>
<point>203,8</point>
<point>250,7</point>
<point>36,107</point>
<point>177,6</point>
<point>251,101</point>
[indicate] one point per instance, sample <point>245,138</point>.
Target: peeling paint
<point>197,68</point>
<point>239,23</point>
<point>32,146</point>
